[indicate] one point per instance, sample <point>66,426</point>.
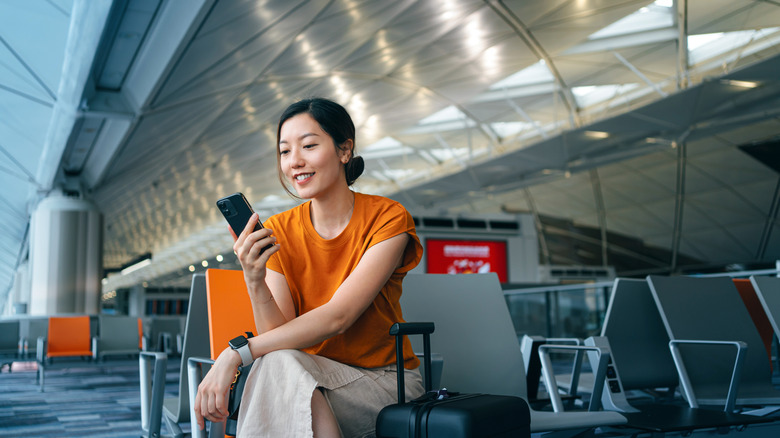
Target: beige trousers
<point>277,396</point>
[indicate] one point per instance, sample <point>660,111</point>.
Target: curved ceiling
<point>622,115</point>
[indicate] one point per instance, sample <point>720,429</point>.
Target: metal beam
<point>640,74</point>
<point>679,202</point>
<point>528,38</point>
<point>681,19</point>
<point>527,118</point>
<point>539,227</point>
<point>601,210</point>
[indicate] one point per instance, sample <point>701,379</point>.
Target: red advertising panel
<point>466,257</point>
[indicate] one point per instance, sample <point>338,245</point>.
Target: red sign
<point>466,257</point>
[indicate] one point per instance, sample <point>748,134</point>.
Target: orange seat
<point>229,308</point>
<point>757,313</point>
<point>68,336</point>
<point>140,334</point>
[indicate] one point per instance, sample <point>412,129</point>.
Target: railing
<point>574,310</point>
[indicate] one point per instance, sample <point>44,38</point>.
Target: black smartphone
<point>237,212</point>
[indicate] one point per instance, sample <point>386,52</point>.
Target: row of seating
<point>711,337</point>
<point>96,337</point>
<point>476,339</point>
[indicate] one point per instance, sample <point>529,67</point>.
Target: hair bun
<point>353,169</point>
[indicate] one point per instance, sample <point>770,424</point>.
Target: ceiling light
<point>743,84</point>
<point>219,257</point>
<point>596,134</point>
<point>192,268</point>
<point>140,262</point>
<point>204,263</point>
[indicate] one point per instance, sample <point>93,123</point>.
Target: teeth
<point>303,176</point>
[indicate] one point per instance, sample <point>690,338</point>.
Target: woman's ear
<point>345,151</point>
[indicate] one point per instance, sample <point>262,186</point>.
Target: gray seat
<point>163,332</point>
<point>711,310</point>
<point>176,410</point>
<point>9,342</point>
<point>476,338</point>
<point>768,291</point>
<point>30,329</point>
<point>117,335</point>
<point>638,338</point>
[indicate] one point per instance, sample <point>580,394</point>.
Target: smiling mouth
<point>303,177</point>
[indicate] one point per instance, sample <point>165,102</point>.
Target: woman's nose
<point>296,158</point>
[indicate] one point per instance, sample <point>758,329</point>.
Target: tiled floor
<point>80,399</point>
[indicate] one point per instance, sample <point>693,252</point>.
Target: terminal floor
<point>84,399</point>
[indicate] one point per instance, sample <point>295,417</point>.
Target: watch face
<point>238,342</point>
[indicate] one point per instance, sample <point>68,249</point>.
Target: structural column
<point>65,256</point>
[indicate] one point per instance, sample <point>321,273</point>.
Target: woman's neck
<point>330,214</point>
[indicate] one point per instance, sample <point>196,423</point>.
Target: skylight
<point>384,148</point>
<point>708,46</point>
<point>508,129</point>
<point>534,74</point>
<point>658,15</point>
<point>593,94</point>
<point>449,114</point>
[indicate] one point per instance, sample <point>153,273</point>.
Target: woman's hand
<point>249,246</point>
<point>211,400</point>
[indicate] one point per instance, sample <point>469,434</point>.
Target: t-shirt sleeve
<point>393,221</point>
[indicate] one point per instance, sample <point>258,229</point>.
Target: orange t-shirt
<point>315,268</point>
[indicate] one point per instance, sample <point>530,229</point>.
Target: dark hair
<point>335,121</point>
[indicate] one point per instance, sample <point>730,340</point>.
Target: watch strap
<point>246,354</point>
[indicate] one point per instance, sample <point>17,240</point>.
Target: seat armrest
<point>576,370</point>
<point>685,381</point>
<point>599,371</point>
<point>94,347</point>
<point>194,377</point>
<point>152,390</point>
<point>40,353</point>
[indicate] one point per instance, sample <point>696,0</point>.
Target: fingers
<point>198,415</point>
<point>249,246</point>
<point>209,405</point>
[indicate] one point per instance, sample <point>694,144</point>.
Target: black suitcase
<point>438,414</point>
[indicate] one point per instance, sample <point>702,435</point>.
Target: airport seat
<point>532,364</point>
<point>117,335</point>
<point>709,328</point>
<point>67,336</point>
<point>9,343</point>
<point>30,329</point>
<point>767,290</point>
<point>164,334</point>
<point>155,407</point>
<point>475,336</point>
<point>757,312</point>
<point>229,315</point>
<point>638,339</point>
<point>634,333</point>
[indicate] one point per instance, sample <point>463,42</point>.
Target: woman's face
<point>308,157</point>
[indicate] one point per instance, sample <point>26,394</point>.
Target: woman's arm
<point>268,290</point>
<point>350,300</point>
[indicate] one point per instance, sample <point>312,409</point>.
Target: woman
<point>324,294</point>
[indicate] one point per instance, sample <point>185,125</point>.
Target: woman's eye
<point>283,152</point>
<point>309,146</point>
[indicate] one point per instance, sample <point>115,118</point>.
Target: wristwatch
<point>241,345</point>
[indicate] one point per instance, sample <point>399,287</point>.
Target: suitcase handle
<point>399,330</point>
